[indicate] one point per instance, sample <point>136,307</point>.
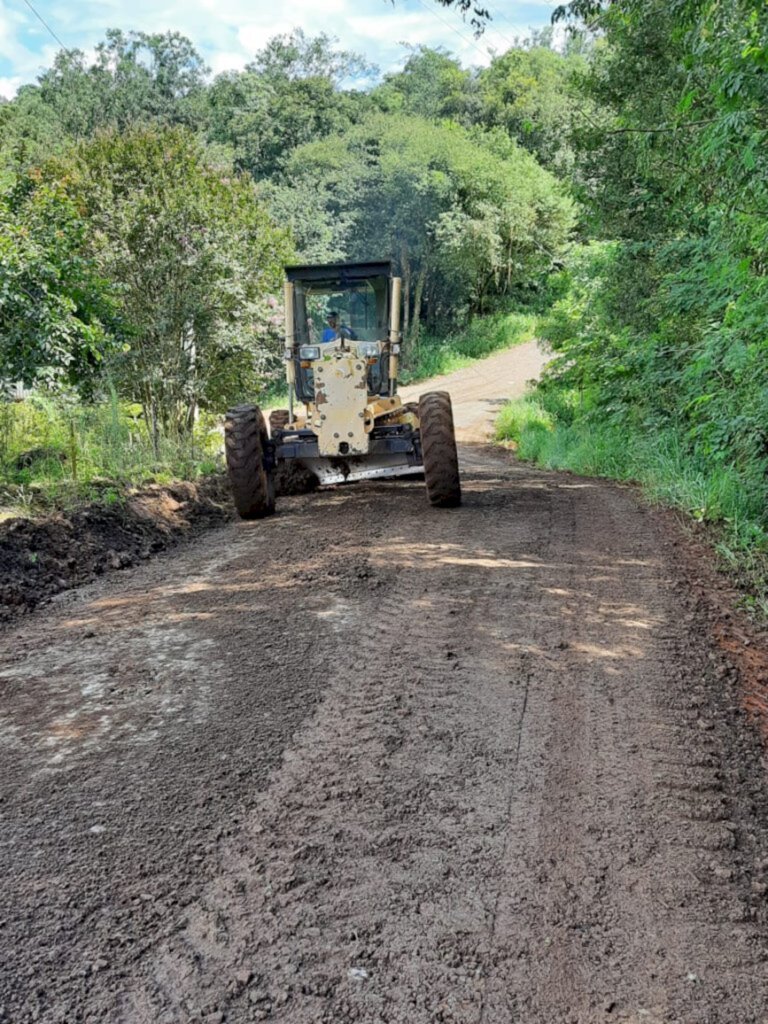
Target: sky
<point>229,32</point>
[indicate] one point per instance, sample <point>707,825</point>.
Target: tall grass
<point>52,450</point>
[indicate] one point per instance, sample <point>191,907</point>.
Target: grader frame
<point>345,420</point>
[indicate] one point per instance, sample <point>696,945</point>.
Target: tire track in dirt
<point>350,798</point>
<point>372,762</point>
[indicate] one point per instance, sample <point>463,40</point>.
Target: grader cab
<point>345,420</point>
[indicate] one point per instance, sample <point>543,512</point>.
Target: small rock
<point>357,974</point>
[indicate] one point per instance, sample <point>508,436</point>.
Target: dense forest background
<point>615,187</point>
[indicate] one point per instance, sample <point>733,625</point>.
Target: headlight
<point>368,349</point>
<point>309,352</point>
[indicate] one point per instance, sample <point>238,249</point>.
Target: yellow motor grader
<point>345,420</point>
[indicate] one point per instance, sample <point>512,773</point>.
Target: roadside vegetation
<point>56,452</point>
<point>660,371</point>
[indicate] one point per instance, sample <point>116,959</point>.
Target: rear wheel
<point>245,441</point>
<point>278,420</point>
<point>438,449</point>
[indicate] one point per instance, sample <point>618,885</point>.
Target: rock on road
<point>369,761</point>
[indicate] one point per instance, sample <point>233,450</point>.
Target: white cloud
<point>227,60</point>
<point>9,86</point>
<point>229,32</point>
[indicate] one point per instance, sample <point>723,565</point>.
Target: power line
<point>497,30</point>
<point>43,22</point>
<point>495,14</point>
<point>499,14</point>
<point>453,28</point>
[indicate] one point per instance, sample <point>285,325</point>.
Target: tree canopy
<point>466,215</point>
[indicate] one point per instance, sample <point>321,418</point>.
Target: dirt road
<point>368,761</point>
<point>480,390</point>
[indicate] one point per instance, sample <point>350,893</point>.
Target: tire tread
<point>438,447</point>
<point>245,437</point>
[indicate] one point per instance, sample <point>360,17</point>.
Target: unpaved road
<point>479,391</point>
<point>373,762</point>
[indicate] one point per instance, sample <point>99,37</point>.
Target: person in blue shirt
<point>336,329</point>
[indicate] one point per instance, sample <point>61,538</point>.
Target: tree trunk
<point>190,418</point>
<point>186,416</point>
<point>155,427</point>
<point>417,299</point>
<point>406,290</point>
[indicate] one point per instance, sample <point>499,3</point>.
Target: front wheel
<point>245,442</point>
<point>438,449</point>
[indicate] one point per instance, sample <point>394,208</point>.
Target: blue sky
<point>228,32</point>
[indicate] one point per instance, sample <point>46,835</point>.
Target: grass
<point>732,507</point>
<point>435,355</point>
<point>54,453</point>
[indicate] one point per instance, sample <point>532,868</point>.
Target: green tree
<point>432,84</point>
<point>58,317</point>
<point>135,77</point>
<point>669,333</point>
<point>467,216</point>
<point>528,92</point>
<point>287,96</point>
<point>195,258</point>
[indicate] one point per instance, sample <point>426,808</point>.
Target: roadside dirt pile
<point>42,557</point>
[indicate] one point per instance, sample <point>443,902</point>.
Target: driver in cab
<point>337,329</point>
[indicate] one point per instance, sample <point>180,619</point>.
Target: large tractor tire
<point>245,442</point>
<point>278,420</point>
<point>438,449</point>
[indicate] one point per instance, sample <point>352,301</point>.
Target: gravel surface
<point>368,761</point>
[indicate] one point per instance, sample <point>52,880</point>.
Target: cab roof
<point>341,273</point>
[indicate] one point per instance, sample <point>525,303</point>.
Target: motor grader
<point>345,420</point>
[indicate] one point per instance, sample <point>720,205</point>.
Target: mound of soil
<point>42,557</point>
